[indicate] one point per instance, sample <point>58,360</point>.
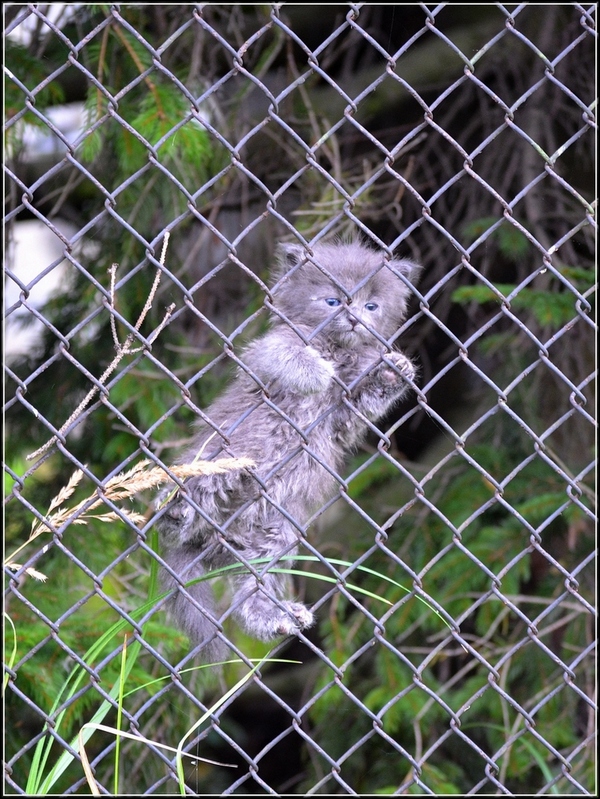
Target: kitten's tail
<point>198,623</point>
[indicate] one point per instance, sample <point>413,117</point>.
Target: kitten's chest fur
<point>351,362</point>
<point>331,426</point>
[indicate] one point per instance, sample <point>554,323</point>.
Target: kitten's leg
<point>253,603</point>
<point>185,535</point>
<point>263,618</point>
<point>180,522</point>
<point>293,367</point>
<point>195,616</point>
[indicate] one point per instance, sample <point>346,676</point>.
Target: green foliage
<point>157,117</point>
<point>159,111</point>
<point>30,72</point>
<point>511,241</point>
<point>18,467</point>
<point>171,135</point>
<point>140,394</point>
<point>384,680</point>
<point>549,308</point>
<point>42,675</point>
<point>376,473</point>
<point>474,550</point>
<point>439,780</point>
<point>143,395</point>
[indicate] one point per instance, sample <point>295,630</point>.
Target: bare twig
<point>122,350</point>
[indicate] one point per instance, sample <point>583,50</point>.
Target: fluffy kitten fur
<point>298,405</point>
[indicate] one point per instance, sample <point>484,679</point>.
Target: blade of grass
<point>153,583</point>
<point>87,769</point>
<point>314,559</point>
<point>35,782</point>
<point>324,578</point>
<point>13,655</point>
<point>106,706</point>
<point>82,740</point>
<point>365,569</point>
<point>203,718</point>
<point>88,728</point>
<point>206,666</point>
<point>120,711</point>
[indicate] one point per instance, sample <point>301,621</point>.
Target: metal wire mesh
<point>455,602</point>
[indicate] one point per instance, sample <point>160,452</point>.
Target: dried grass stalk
<point>141,477</point>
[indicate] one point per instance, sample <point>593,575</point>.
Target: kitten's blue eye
<point>371,306</point>
<point>333,301</point>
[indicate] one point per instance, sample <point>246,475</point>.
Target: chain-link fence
<point>450,569</point>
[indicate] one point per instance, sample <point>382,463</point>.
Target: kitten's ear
<point>288,255</point>
<point>410,269</point>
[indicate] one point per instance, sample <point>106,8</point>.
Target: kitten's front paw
<point>316,373</point>
<point>402,368</point>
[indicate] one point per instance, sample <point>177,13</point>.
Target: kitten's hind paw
<point>301,619</point>
<point>264,620</point>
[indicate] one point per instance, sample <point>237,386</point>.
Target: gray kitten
<point>302,399</point>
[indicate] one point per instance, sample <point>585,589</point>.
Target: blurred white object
<point>32,248</point>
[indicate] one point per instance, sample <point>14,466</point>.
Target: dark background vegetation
<point>229,185</point>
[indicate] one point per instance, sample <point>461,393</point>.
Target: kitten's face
<point>342,318</point>
<point>362,301</point>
